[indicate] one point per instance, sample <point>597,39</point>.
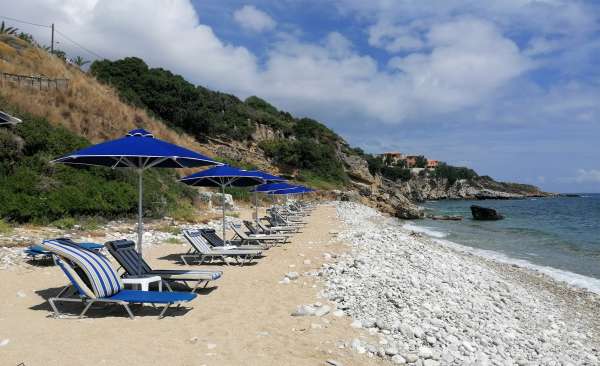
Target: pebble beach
<point>355,288</point>
<point>431,304</point>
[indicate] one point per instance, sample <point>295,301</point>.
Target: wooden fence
<point>37,82</point>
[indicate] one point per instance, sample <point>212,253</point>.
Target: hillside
<point>116,96</point>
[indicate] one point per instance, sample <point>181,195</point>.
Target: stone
<point>193,340</point>
<point>334,363</point>
<point>398,360</point>
<point>292,275</point>
<point>323,310</point>
<point>338,313</point>
<point>411,357</point>
<point>304,310</point>
<point>425,352</point>
<point>391,351</point>
<point>285,280</point>
<point>356,324</point>
<point>485,213</point>
<point>430,363</point>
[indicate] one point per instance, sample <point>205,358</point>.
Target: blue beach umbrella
<point>271,187</point>
<point>223,176</point>
<point>292,190</point>
<point>268,178</point>
<point>138,150</point>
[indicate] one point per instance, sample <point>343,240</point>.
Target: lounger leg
<point>87,307</point>
<point>126,306</point>
<point>162,313</point>
<point>53,306</point>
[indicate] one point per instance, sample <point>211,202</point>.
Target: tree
<point>420,162</point>
<point>7,30</point>
<point>79,61</point>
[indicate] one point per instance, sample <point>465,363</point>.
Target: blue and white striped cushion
<point>104,279</point>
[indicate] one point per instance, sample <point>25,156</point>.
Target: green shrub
<point>453,173</point>
<point>316,158</point>
<point>66,223</point>
<point>33,190</point>
<point>396,173</point>
<point>5,228</point>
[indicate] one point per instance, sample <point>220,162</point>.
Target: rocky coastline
<point>430,304</point>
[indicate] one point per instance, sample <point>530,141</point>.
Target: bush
<point>66,223</point>
<point>452,173</point>
<point>307,155</point>
<point>5,227</point>
<point>33,190</point>
<point>396,173</point>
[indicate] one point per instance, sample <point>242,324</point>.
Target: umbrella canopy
<point>292,190</point>
<point>138,150</point>
<point>268,178</point>
<point>223,176</point>
<point>271,187</point>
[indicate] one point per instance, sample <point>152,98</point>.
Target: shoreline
<point>505,301</point>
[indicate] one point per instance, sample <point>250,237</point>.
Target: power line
<point>24,21</point>
<point>57,31</point>
<point>78,45</point>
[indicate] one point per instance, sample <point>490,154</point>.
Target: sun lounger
<point>255,228</point>
<point>281,230</point>
<point>94,280</point>
<point>134,265</point>
<point>258,238</point>
<point>202,250</point>
<point>36,252</point>
<point>216,242</point>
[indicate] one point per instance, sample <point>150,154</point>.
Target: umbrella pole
<point>223,208</point>
<point>140,213</point>
<point>256,206</point>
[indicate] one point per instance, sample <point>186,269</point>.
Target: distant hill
<point>117,96</point>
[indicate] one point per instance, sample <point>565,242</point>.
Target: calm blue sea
<point>560,236</point>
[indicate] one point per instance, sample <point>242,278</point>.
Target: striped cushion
<point>104,280</point>
<point>197,241</point>
<point>125,253</point>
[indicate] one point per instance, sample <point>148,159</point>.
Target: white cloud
<point>587,176</point>
<point>251,18</point>
<point>395,38</point>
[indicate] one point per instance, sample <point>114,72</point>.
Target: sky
<point>510,88</point>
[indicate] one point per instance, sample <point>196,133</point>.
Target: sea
<point>558,236</point>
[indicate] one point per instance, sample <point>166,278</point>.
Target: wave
<point>570,278</point>
<point>425,230</point>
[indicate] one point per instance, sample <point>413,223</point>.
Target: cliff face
<point>427,188</point>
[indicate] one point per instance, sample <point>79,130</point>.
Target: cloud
<point>395,38</point>
<point>587,176</point>
<point>251,18</point>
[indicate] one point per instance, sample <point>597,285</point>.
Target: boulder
<point>485,213</point>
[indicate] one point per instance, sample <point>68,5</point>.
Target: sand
<point>243,320</point>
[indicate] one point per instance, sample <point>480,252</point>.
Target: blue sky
<point>508,87</point>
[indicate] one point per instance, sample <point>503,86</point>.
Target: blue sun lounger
<point>94,280</point>
<point>36,252</point>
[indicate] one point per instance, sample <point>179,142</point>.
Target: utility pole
<point>52,40</point>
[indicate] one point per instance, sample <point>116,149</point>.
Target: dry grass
<point>87,108</point>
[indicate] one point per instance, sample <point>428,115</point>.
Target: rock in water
<point>485,213</point>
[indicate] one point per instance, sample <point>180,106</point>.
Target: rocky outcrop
<point>485,213</point>
<point>422,188</point>
<point>264,132</point>
<point>357,168</point>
